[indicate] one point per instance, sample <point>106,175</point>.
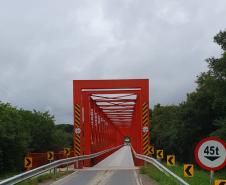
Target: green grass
<point>201,177</point>
<point>44,178</point>
<point>157,175</point>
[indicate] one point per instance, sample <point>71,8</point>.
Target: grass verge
<point>157,175</point>
<point>201,177</point>
<point>44,178</point>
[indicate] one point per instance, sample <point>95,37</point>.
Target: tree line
<point>178,129</point>
<point>23,131</point>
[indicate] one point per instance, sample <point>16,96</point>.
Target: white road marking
<point>64,178</point>
<point>136,178</point>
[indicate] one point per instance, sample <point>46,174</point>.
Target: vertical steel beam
<point>139,126</point>
<point>87,128</point>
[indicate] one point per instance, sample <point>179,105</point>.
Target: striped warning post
<point>77,125</point>
<point>145,123</point>
<point>77,146</point>
<point>77,115</point>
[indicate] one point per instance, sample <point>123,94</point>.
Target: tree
<point>14,137</point>
<point>220,39</point>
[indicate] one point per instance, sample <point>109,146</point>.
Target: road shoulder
<point>145,179</point>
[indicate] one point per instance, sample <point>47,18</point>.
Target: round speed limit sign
<point>210,153</point>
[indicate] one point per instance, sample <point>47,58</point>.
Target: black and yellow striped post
<point>145,124</point>
<point>77,127</point>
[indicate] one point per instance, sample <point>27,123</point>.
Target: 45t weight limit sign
<point>210,153</point>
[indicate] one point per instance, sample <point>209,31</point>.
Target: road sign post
<point>50,157</point>
<point>211,177</point>
<point>67,153</point>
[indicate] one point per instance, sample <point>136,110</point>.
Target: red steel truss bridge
<point>105,111</point>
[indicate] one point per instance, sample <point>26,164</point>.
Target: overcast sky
<point>46,44</point>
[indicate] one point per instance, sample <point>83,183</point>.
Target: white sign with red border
<point>210,153</point>
<point>145,129</point>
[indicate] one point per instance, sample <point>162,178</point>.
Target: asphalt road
<point>117,169</point>
<point>101,177</point>
<point>122,157</point>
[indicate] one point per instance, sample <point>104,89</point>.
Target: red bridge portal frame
<point>105,111</point>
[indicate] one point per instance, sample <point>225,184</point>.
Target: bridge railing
<point>159,166</point>
<point>53,165</point>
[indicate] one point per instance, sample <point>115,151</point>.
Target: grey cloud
<point>44,45</point>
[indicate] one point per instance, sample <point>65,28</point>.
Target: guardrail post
<point>76,164</point>
<point>50,169</point>
<point>55,171</point>
<point>67,164</point>
<point>159,160</point>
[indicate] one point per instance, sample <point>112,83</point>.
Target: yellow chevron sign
<point>67,151</point>
<point>50,156</point>
<point>170,160</point>
<point>151,150</point>
<point>220,182</point>
<point>188,170</point>
<point>159,154</point>
<point>28,162</point>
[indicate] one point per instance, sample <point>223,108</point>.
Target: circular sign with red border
<point>210,153</point>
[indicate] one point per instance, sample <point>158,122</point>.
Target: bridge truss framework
<point>105,111</point>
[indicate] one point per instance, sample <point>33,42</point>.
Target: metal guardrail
<point>53,165</point>
<point>159,166</point>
